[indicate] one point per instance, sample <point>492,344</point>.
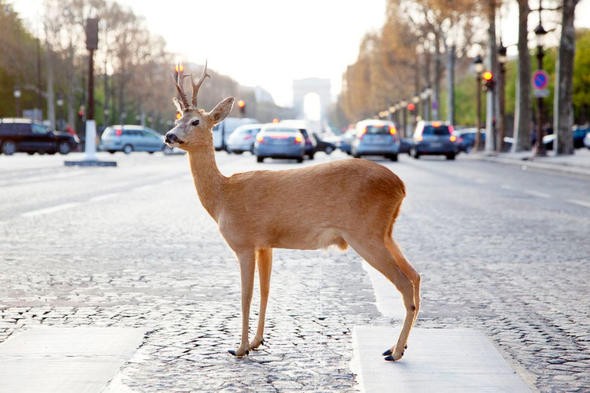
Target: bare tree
<point>564,111</point>
<point>522,115</point>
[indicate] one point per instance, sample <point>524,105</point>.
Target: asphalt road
<point>499,248</point>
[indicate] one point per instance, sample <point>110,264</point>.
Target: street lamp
<point>404,104</point>
<point>502,59</point>
<point>540,33</point>
<point>478,67</point>
<point>60,104</point>
<point>17,95</point>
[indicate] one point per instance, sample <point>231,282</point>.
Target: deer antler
<point>197,86</point>
<point>178,82</point>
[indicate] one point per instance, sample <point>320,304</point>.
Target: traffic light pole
<point>539,146</point>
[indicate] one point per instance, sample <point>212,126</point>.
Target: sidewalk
<point>576,164</point>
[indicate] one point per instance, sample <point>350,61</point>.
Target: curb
<point>523,163</point>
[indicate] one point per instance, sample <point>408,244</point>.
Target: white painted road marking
<point>49,210</point>
<point>578,202</point>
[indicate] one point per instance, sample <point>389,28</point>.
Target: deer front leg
<point>264,263</point>
<point>247,263</point>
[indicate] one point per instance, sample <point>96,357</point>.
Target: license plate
<point>436,144</point>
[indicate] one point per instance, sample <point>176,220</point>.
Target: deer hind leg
<point>264,263</point>
<point>247,263</point>
<point>385,256</point>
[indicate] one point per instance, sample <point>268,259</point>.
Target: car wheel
<point>393,157</point>
<point>299,160</point>
<point>64,148</point>
<point>8,148</point>
<point>329,150</point>
<point>311,156</point>
<point>414,153</point>
<point>112,151</point>
<point>127,149</point>
<point>451,156</point>
<point>259,159</point>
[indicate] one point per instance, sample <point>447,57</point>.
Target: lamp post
<point>501,95</point>
<point>60,104</point>
<point>416,101</point>
<point>478,67</point>
<point>404,106</point>
<point>540,33</point>
<point>17,95</point>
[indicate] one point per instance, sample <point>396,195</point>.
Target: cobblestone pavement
<point>499,249</point>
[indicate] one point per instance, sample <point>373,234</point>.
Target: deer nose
<point>172,138</point>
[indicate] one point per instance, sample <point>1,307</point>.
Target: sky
<point>269,43</point>
<point>259,42</point>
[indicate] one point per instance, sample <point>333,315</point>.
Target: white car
<point>587,140</point>
<point>243,138</point>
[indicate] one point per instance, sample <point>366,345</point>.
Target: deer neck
<point>207,178</point>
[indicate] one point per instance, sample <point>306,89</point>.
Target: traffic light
<point>242,107</point>
<point>488,80</point>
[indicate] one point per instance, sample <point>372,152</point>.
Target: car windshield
<point>377,129</point>
<point>441,130</point>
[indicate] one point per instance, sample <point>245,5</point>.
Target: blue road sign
<point>540,79</point>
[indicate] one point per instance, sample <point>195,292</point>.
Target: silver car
<point>129,138</point>
<point>243,138</point>
<point>376,137</point>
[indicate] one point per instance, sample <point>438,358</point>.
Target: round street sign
<point>540,79</point>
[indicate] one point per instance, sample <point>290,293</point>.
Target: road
<point>500,249</point>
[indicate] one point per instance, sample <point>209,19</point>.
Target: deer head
<point>193,128</point>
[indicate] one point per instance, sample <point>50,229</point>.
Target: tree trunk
<point>523,114</point>
<point>451,85</point>
<point>491,96</point>
<point>437,77</point>
<point>563,105</point>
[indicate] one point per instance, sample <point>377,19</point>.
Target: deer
<point>346,202</point>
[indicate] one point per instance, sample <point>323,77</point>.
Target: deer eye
<point>195,122</point>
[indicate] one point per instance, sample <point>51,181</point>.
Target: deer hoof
<point>256,343</point>
<point>387,353</point>
<point>232,352</point>
<point>389,358</point>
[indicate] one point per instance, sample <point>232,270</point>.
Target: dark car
<point>24,135</point>
<point>579,133</point>
<point>323,145</point>
<point>466,138</point>
<point>434,138</point>
<point>405,145</point>
<point>310,144</point>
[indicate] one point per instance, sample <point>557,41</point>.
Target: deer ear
<point>221,110</point>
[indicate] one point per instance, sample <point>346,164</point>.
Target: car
<point>303,126</point>
<point>587,140</point>
<point>243,138</point>
<point>322,144</point>
<point>405,145</point>
<point>24,135</point>
<point>466,138</point>
<point>279,141</point>
<point>434,138</point>
<point>223,130</point>
<point>579,134</point>
<point>128,138</point>
<point>376,137</point>
<point>346,141</point>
